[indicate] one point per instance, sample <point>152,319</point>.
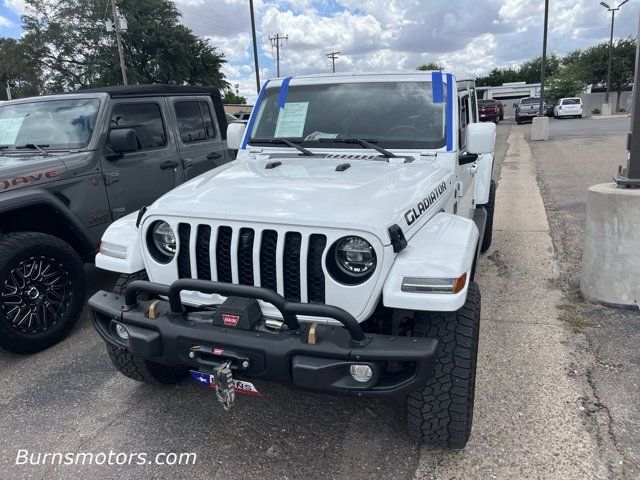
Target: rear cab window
<point>145,119</point>
<point>195,121</point>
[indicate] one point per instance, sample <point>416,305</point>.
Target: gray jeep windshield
<point>50,124</point>
<point>391,114</point>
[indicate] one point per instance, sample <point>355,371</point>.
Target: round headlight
<point>351,260</point>
<point>161,241</point>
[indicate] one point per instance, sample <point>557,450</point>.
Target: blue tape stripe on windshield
<point>254,114</point>
<point>283,92</point>
<point>436,83</point>
<point>449,112</point>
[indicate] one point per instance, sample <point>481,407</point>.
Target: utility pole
<point>255,46</point>
<point>541,111</point>
<point>613,19</point>
<point>277,41</point>
<point>333,56</point>
<point>630,177</point>
<point>116,24</point>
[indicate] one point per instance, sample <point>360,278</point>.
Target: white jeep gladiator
<point>336,254</point>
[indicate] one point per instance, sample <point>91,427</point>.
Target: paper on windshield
<point>291,120</point>
<point>9,129</point>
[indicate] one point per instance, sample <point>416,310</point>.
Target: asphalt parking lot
<point>530,419</point>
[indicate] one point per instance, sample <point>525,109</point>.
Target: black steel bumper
<point>175,337</point>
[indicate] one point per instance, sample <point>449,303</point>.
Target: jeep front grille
<point>289,263</point>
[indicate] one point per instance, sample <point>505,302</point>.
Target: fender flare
<point>122,240</point>
<point>444,248</point>
<point>11,201</point>
<point>483,179</point>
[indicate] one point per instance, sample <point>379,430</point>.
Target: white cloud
<point>15,5</point>
<point>5,22</point>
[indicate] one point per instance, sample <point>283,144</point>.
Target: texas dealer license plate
<point>209,381</point>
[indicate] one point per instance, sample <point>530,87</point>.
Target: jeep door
<point>467,114</point>
<point>198,135</point>
<point>138,178</point>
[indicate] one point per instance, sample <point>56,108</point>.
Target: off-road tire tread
<point>441,413</point>
<point>490,208</point>
<point>10,245</point>
<point>125,279</point>
<point>142,370</point>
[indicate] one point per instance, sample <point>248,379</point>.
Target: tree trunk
<point>619,94</point>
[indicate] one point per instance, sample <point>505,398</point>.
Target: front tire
<point>42,291</point>
<point>142,370</point>
<point>489,207</point>
<point>441,414</point>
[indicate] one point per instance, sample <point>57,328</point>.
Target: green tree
<point>232,98</point>
<point>592,65</point>
<point>17,71</point>
<point>430,66</point>
<point>531,70</point>
<point>497,77</point>
<point>75,50</point>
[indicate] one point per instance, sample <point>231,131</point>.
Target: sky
<point>465,36</point>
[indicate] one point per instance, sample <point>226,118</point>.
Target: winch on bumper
<point>318,360</point>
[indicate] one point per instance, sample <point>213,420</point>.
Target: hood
<point>370,195</point>
<point>20,171</point>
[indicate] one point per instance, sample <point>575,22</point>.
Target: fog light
<point>121,331</point>
<point>361,373</point>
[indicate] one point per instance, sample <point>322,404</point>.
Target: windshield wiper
<point>300,148</point>
<point>364,143</point>
<point>33,146</point>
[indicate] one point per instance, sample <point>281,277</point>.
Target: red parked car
<point>490,111</point>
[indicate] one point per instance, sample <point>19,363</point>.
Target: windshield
<point>391,114</point>
<point>485,103</point>
<point>52,124</point>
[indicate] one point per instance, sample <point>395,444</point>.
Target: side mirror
<point>123,140</point>
<point>481,138</point>
<point>235,134</point>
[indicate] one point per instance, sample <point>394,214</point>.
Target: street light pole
<point>541,111</point>
<point>613,19</point>
<point>255,46</point>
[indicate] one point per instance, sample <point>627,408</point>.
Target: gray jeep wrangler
<point>70,165</point>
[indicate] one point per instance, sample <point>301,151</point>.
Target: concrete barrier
<point>611,256</point>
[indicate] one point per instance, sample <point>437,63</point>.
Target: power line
<point>277,41</point>
<point>333,56</point>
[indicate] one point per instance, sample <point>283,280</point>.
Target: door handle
<point>214,155</point>
<point>169,164</point>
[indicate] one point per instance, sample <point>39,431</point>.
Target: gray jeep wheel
<point>441,413</point>
<point>42,291</point>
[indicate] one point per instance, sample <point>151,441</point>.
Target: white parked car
<point>568,107</point>
<point>336,254</point>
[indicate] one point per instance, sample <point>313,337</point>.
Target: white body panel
<point>564,109</point>
<point>444,248</point>
<point>483,178</point>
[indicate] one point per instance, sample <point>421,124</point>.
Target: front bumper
<point>289,356</point>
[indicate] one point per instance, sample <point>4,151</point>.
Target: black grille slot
<point>223,254</point>
<point>291,266</point>
<point>315,275</point>
<point>203,261</point>
<point>184,257</point>
<point>245,256</point>
<point>268,246</point>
